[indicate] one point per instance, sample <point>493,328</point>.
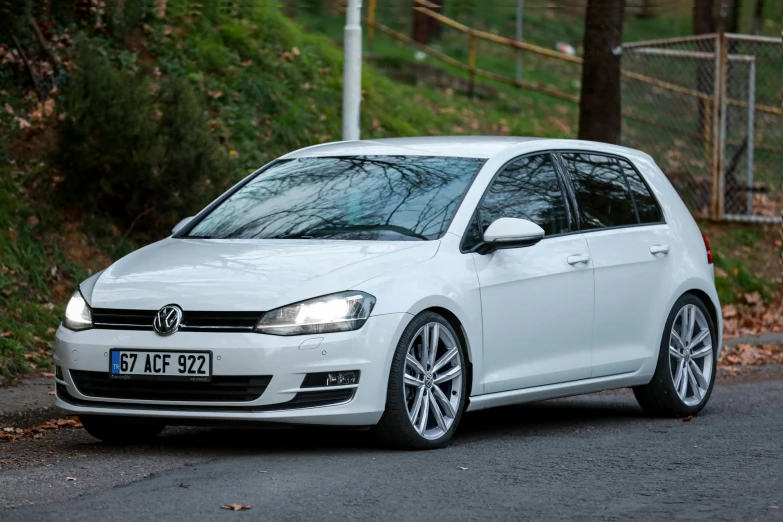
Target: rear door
<point>630,244</point>
<point>537,301</point>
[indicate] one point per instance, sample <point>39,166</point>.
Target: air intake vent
<point>220,389</point>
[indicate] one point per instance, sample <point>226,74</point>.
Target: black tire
<point>395,428</point>
<point>120,431</point>
<point>660,398</point>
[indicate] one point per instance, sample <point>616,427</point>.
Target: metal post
<point>751,132</point>
<point>520,8</point>
<point>352,71</point>
<point>724,60</point>
<point>715,214</point>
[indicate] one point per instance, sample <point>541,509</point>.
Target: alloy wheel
<point>690,355</point>
<point>432,380</point>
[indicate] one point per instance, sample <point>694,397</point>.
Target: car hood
<point>246,275</point>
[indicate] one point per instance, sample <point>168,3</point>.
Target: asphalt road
<point>591,457</point>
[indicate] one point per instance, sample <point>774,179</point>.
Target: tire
<point>396,427</point>
<point>660,397</point>
<point>114,431</point>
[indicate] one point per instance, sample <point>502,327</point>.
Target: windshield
<point>398,198</point>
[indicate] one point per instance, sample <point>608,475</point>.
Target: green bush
<point>139,152</point>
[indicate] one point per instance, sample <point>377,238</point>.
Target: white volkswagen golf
<point>395,284</point>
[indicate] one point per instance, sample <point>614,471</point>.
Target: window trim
<point>580,216</point>
<point>573,221</point>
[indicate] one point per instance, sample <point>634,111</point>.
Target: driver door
<point>537,301</point>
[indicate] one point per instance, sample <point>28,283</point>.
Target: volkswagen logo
<point>167,320</point>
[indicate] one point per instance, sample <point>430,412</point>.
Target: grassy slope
<point>268,86</point>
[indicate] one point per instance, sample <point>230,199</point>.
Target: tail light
<point>707,246</point>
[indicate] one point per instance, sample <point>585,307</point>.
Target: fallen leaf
<point>51,393</point>
<point>70,479</point>
<point>687,419</point>
<point>463,469</point>
<point>183,485</point>
<point>47,374</point>
<point>235,507</point>
<point>263,471</point>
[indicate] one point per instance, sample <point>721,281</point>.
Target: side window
<point>646,206</point>
<point>528,189</point>
<point>601,190</point>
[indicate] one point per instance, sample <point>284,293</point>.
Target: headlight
<point>78,315</point>
<point>339,312</point>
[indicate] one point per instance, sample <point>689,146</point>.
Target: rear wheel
<point>427,386</point>
<point>685,374</point>
<point>110,429</point>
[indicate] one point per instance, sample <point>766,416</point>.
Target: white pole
<point>520,7</point>
<point>352,70</point>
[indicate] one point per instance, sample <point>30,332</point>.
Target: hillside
<point>135,117</point>
<point>141,120</point>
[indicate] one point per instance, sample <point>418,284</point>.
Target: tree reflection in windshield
<point>358,197</point>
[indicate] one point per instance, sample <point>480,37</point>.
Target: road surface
<point>591,457</point>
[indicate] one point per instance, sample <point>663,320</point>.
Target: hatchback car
<point>395,284</point>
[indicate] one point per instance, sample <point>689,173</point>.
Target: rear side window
<point>601,191</point>
<point>646,206</point>
<point>528,189</point>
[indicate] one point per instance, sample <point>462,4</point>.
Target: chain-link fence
<point>705,108</point>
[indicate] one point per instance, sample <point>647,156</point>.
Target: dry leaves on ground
<point>235,507</point>
<point>752,317</point>
<point>11,433</point>
<point>748,355</point>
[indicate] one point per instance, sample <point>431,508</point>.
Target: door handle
<point>659,249</point>
<point>578,258</point>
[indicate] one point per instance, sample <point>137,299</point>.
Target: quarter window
<point>646,206</point>
<point>601,191</point>
<point>528,189</point>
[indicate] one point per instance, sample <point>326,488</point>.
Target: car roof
<point>458,146</point>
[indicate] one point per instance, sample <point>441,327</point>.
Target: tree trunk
<point>703,21</point>
<point>599,109</point>
<point>728,16</point>
<point>757,21</point>
<point>426,28</point>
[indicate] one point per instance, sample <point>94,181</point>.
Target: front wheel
<point>114,431</point>
<point>427,386</point>
<point>685,374</point>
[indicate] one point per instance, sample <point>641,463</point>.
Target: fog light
<point>341,378</point>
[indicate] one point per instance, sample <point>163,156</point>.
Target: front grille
<point>114,319</point>
<point>221,389</point>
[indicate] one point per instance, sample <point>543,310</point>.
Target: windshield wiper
<point>332,231</point>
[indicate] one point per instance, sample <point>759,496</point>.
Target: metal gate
<point>707,108</point>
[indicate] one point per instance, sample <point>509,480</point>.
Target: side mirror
<point>511,233</point>
<point>179,226</point>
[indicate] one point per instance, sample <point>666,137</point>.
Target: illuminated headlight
<point>339,312</point>
<point>78,315</point>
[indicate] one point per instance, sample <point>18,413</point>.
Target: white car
<point>395,284</point>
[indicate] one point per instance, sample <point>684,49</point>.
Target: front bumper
<point>285,359</point>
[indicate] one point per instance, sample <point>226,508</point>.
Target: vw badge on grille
<point>167,320</point>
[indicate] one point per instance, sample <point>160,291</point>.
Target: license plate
<point>150,364</point>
